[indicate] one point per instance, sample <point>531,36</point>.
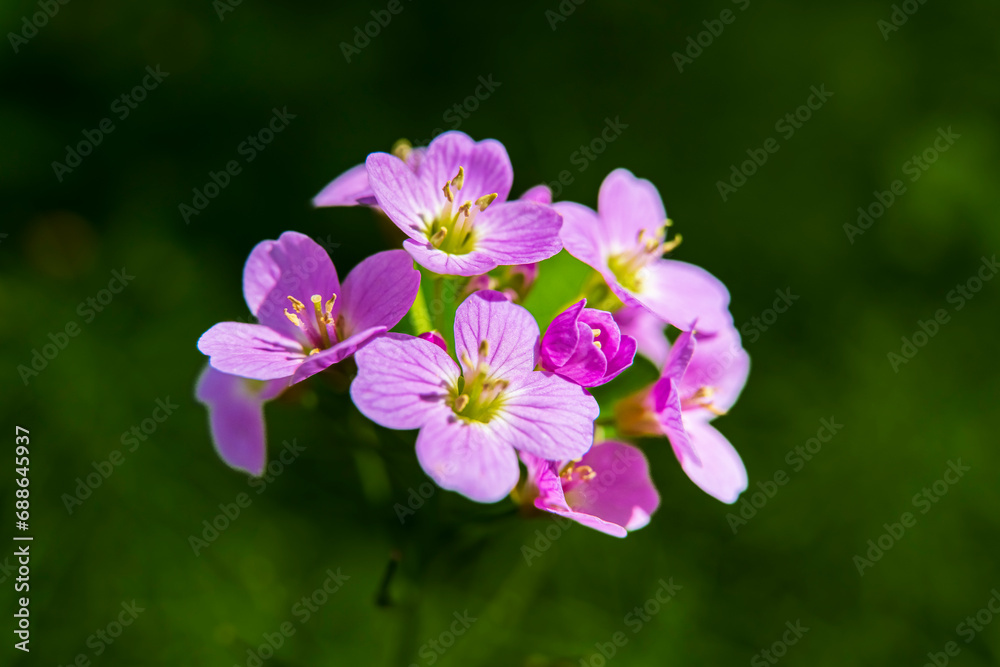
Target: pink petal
<point>669,414</point>
<point>540,193</point>
<point>347,189</point>
<point>588,365</point>
<point>609,336</point>
<point>622,360</point>
<point>446,264</point>
<point>406,199</point>
<point>627,205</point>
<point>466,457</point>
<point>401,380</point>
<point>379,291</point>
<point>682,294</point>
<point>486,165</point>
<point>436,338</point>
<point>545,415</point>
<point>582,234</point>
<point>562,336</point>
<point>510,332</point>
<point>679,357</point>
<point>621,492</point>
<point>236,416</point>
<point>518,232</point>
<point>320,361</point>
<point>720,362</point>
<point>718,469</point>
<point>251,350</point>
<point>647,329</point>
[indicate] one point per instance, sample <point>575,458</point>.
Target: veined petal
<point>486,166</point>
<point>670,417</point>
<point>545,415</point>
<point>562,336</point>
<point>679,358</point>
<point>582,234</point>
<point>236,416</point>
<point>518,232</point>
<point>621,491</point>
<point>718,469</point>
<point>467,457</point>
<point>406,199</point>
<point>510,332</point>
<point>587,366</point>
<point>294,265</point>
<point>320,361</point>
<point>622,360</point>
<point>545,477</point>
<point>401,380</point>
<point>602,321</point>
<point>627,205</point>
<point>447,264</point>
<point>348,189</point>
<point>379,291</point>
<point>251,351</point>
<point>720,362</point>
<point>682,294</point>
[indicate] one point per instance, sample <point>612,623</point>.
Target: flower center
<point>477,397</point>
<point>628,265</point>
<point>702,399</point>
<point>453,230</point>
<point>317,326</point>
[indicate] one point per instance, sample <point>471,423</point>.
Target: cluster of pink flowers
<point>501,408</point>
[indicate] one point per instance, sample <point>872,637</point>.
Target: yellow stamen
<point>484,348</point>
<point>296,304</point>
<point>586,473</point>
<point>459,179</point>
<point>461,402</point>
<point>329,307</point>
<point>485,201</point>
<point>447,192</point>
<point>597,344</point>
<point>597,332</point>
<point>668,223</point>
<point>293,318</point>
<point>465,359</point>
<point>670,245</point>
<point>320,320</point>
<point>465,208</point>
<point>439,236</point>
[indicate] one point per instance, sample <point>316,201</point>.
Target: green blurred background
<point>826,357</point>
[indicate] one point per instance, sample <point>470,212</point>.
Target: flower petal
<point>294,265</point>
<point>467,457</point>
<point>588,365</point>
<point>679,357</point>
<point>320,361</point>
<point>379,291</point>
<point>682,294</point>
<point>518,232</point>
<point>349,189</point>
<point>406,199</point>
<point>627,205</point>
<point>718,469</point>
<point>509,330</point>
<point>236,416</point>
<point>647,329</point>
<point>438,261</point>
<point>719,362</point>
<point>547,416</point>
<point>622,360</point>
<point>486,165</point>
<point>666,401</point>
<point>251,351</point>
<point>602,321</point>
<point>582,234</point>
<point>562,336</point>
<point>544,475</point>
<point>540,193</point>
<point>401,380</point>
<point>436,338</point>
<point>621,491</point>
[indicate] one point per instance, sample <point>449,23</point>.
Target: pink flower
<point>473,417</point>
<point>454,208</point>
<point>609,489</point>
<point>624,241</point>
<point>585,346</point>
<point>701,380</point>
<point>308,322</point>
<point>352,188</point>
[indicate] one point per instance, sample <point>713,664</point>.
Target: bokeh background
<point>557,83</point>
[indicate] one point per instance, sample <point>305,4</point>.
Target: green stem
<point>420,317</point>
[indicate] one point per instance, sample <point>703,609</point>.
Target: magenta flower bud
<point>586,347</point>
<point>436,338</point>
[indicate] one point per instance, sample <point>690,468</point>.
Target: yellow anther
<point>402,149</point>
<point>651,245</point>
<point>714,410</point>
<point>447,192</point>
<point>465,359</point>
<point>670,245</point>
<point>461,402</point>
<point>321,321</point>
<point>484,348</point>
<point>296,304</point>
<point>485,201</point>
<point>329,307</point>
<point>313,351</point>
<point>586,473</point>
<point>668,223</point>
<point>293,318</point>
<point>597,344</point>
<point>597,332</point>
<point>439,236</point>
<point>459,179</point>
<point>465,208</point>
